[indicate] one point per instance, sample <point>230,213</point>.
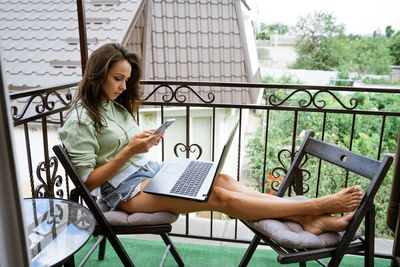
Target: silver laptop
<point>188,178</point>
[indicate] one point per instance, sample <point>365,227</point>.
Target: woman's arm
<point>140,143</point>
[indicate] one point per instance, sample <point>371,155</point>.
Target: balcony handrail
<point>385,90</point>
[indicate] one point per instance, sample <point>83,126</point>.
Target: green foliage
<point>315,46</point>
<point>394,47</point>
<point>389,31</point>
<point>267,30</point>
<point>277,132</point>
<point>284,79</point>
<point>343,79</point>
<point>322,45</point>
<point>371,55</point>
<point>369,80</point>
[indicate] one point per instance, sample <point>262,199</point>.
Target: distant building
<point>278,52</point>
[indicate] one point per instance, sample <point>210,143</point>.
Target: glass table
<point>56,229</point>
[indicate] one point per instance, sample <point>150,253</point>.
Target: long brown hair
<point>90,92</point>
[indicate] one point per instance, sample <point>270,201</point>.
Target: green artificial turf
<point>149,253</point>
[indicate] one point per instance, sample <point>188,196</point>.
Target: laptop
<point>188,178</point>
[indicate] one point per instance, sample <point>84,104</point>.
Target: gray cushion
<point>121,218</point>
<point>292,235</point>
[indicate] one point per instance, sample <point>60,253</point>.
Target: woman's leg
<point>322,223</point>
<point>354,193</point>
<point>246,206</point>
<point>232,184</point>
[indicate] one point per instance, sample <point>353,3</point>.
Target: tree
<point>371,55</point>
<point>267,30</point>
<point>315,46</point>
<point>389,31</point>
<point>394,47</point>
<point>322,45</point>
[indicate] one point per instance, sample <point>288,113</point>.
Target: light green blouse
<point>89,149</point>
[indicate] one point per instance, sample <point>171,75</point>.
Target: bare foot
<point>326,223</point>
<point>343,201</point>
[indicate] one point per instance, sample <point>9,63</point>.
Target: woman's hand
<point>142,142</point>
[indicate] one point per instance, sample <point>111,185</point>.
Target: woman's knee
<point>223,180</point>
<point>221,197</point>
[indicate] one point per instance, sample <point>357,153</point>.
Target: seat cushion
<point>121,218</point>
<point>292,235</point>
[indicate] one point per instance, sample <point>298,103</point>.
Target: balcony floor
<point>149,252</point>
<point>214,253</point>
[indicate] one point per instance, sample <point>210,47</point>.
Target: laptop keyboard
<point>192,178</point>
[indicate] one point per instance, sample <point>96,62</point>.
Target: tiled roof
<point>40,38</point>
<point>197,40</point>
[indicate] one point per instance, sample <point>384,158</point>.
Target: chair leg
<point>396,244</point>
<point>119,249</point>
<point>250,251</point>
<point>173,249</point>
<point>102,249</point>
<point>370,237</point>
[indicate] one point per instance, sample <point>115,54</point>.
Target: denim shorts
<point>130,187</point>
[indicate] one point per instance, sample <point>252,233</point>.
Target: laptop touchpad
<point>173,168</point>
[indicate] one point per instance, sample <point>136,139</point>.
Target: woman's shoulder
<point>79,115</point>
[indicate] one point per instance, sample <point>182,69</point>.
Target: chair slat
<point>356,163</point>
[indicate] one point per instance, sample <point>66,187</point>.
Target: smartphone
<point>163,126</point>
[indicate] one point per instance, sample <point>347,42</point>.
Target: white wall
<point>278,52</point>
<point>313,77</point>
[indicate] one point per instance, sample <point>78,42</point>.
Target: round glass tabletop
<point>56,229</point>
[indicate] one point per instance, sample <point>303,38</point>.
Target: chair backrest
<point>369,168</point>
<point>372,169</point>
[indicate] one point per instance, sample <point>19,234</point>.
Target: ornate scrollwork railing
<point>45,103</point>
<point>277,171</point>
<point>178,95</point>
<point>48,185</point>
<point>190,149</point>
<point>311,99</point>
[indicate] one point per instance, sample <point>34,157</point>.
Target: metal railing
<point>46,107</point>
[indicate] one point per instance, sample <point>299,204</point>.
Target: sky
<point>359,16</point>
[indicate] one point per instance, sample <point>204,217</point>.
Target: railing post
<point>80,6</point>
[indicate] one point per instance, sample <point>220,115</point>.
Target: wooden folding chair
<point>372,169</point>
<point>104,228</point>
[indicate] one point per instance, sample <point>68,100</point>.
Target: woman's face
<point>115,82</point>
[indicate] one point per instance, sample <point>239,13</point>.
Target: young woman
<point>109,152</point>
